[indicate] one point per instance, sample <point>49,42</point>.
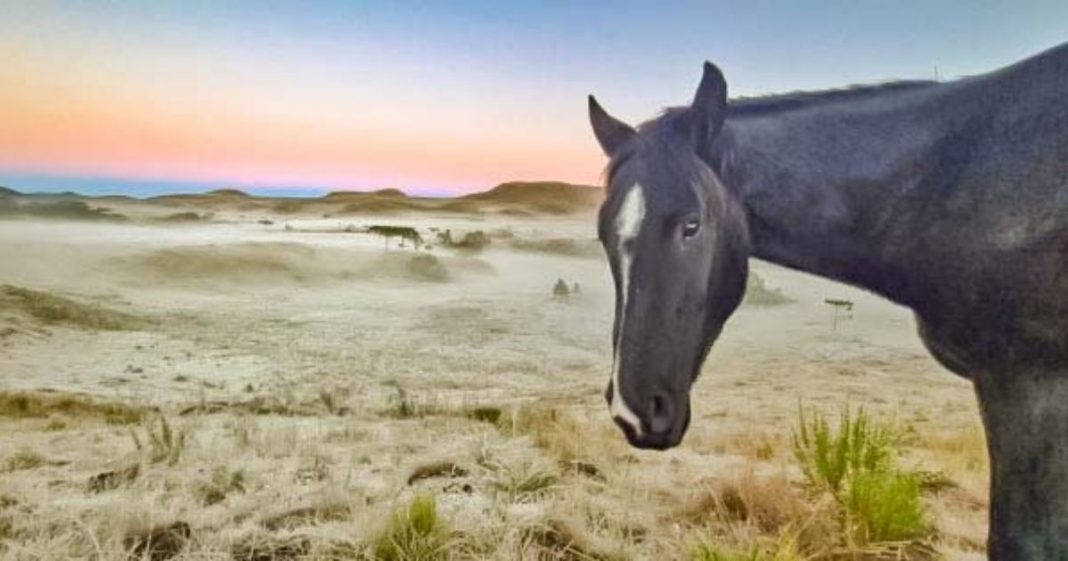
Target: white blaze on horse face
<point>628,223</point>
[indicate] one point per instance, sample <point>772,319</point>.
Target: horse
<point>949,198</point>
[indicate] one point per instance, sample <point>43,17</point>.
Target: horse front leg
<point>1026,420</point>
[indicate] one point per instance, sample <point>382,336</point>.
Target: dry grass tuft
<point>270,548</point>
<point>221,484</point>
<point>27,405</point>
<point>111,480</point>
<point>769,504</point>
<point>561,539</point>
<point>561,434</point>
<point>160,443</point>
<point>23,460</point>
<point>308,515</point>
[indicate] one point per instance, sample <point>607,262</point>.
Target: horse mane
<point>776,103</point>
<point>762,104</point>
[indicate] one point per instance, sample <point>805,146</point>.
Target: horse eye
<point>691,227</point>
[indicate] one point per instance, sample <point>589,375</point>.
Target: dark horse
<point>948,198</point>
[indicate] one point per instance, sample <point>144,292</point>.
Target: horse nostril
<point>661,413</point>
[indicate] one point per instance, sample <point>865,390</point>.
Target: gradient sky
<point>432,97</point>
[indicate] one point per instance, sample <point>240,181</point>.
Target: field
<point>227,377</point>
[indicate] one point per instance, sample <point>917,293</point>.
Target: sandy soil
<point>340,330</point>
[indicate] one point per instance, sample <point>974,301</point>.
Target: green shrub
<point>828,456</point>
<point>413,534</point>
<point>855,462</point>
<point>885,506</point>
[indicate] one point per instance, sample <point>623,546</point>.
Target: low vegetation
<point>31,405</point>
<point>413,533</point>
<point>471,242</point>
<point>158,442</point>
<point>757,293</point>
<point>856,464</point>
<point>51,309</point>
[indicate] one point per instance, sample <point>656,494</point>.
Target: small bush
<point>472,242</point>
<point>828,456</point>
<point>757,293</point>
<point>885,506</point>
<point>414,533</point>
<point>855,464</point>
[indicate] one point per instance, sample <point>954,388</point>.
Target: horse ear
<point>709,107</point>
<point>611,133</point>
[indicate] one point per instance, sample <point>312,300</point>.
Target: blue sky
<point>433,97</point>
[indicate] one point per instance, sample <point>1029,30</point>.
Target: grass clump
<point>52,309</point>
<point>24,405</point>
<point>524,484</point>
<point>414,533</point>
<point>485,414</point>
<point>23,460</point>
<point>222,483</point>
<point>855,463</point>
<point>402,405</point>
<point>162,444</point>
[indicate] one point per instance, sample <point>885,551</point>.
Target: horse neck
<point>819,185</point>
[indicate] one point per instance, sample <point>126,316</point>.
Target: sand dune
<point>514,199</point>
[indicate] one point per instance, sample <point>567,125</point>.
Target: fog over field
<point>379,377</point>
